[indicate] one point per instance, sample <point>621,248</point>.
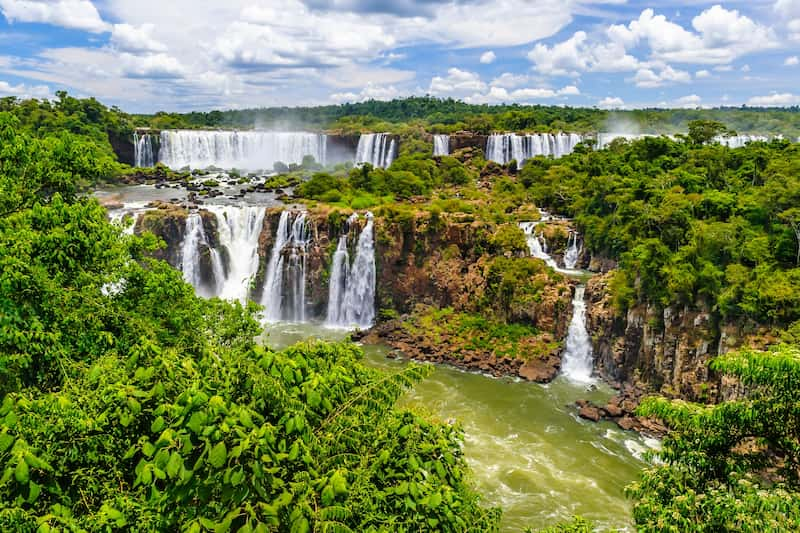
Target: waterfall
<point>195,244</point>
<point>441,145</point>
<point>538,247</point>
<point>576,363</point>
<point>239,230</point>
<point>143,153</point>
<point>738,141</point>
<point>504,147</point>
<point>284,284</point>
<point>377,149</point>
<point>337,286</point>
<point>572,253</point>
<point>252,150</point>
<point>536,244</point>
<point>351,294</point>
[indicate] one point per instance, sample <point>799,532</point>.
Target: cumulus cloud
<point>136,38</point>
<point>649,78</point>
<point>508,80</point>
<point>719,37</point>
<point>689,101</point>
<point>499,95</point>
<point>791,61</point>
<point>370,92</point>
<point>775,100</point>
<point>456,81</point>
<point>74,14</point>
<point>611,102</point>
<point>24,91</point>
<point>701,74</point>
<point>488,57</point>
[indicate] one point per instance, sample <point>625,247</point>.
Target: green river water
<point>529,452</point>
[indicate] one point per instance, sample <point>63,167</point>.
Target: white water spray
<point>377,149</point>
<point>576,363</point>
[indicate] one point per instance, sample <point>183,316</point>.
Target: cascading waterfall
<point>441,145</point>
<point>143,152</point>
<point>195,244</point>
<point>537,245</point>
<point>573,252</point>
<point>504,147</point>
<point>239,230</point>
<point>351,294</point>
<point>377,149</point>
<point>252,150</point>
<point>576,363</point>
<point>738,141</point>
<point>284,284</point>
<point>337,288</point>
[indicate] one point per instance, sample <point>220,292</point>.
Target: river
<point>529,451</point>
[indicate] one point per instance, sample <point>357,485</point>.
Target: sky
<point>182,55</point>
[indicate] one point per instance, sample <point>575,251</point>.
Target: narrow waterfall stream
<point>286,268</point>
<point>377,149</point>
<point>577,364</point>
<point>573,252</point>
<point>441,145</point>
<point>351,293</point>
<point>239,229</point>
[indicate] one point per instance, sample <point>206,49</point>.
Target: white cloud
<point>498,95</point>
<point>611,102</point>
<point>488,58</point>
<point>648,78</point>
<point>74,14</point>
<point>700,74</point>
<point>689,101</point>
<point>775,100</point>
<point>136,38</point>
<point>567,58</point>
<point>370,92</point>
<point>745,68</point>
<point>508,80</point>
<point>792,61</point>
<point>24,91</point>
<point>720,36</point>
<point>151,66</point>
<point>456,81</point>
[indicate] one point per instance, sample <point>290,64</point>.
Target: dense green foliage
<point>128,403</point>
<point>447,115</point>
<point>733,466</point>
<point>87,119</point>
<point>689,223</point>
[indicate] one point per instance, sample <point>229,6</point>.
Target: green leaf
<point>174,465</point>
<point>218,455</point>
<point>21,473</point>
<point>6,441</point>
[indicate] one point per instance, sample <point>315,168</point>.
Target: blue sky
<point>148,55</point>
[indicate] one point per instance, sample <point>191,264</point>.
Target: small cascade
<point>377,149</point>
<point>573,252</point>
<point>351,294</point>
<point>285,281</point>
<point>504,147</point>
<point>441,145</point>
<point>195,244</point>
<point>252,150</point>
<point>337,288</point>
<point>239,230</point>
<point>738,141</point>
<point>576,363</point>
<point>537,245</point>
<point>144,154</point>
